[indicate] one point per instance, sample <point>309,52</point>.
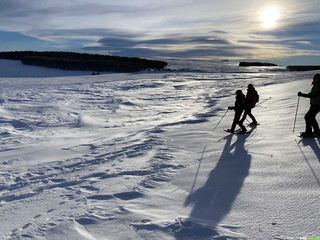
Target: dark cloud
<point>60,8</point>
<point>16,8</point>
<point>7,5</point>
<point>126,42</point>
<point>21,8</point>
<point>296,35</point>
<point>208,40</point>
<point>148,52</point>
<point>168,47</point>
<point>86,32</point>
<point>219,32</point>
<point>292,43</point>
<point>117,43</point>
<point>309,29</point>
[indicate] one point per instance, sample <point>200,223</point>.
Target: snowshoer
<point>238,108</point>
<point>310,117</point>
<point>250,101</point>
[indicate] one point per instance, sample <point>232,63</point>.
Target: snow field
<point>133,156</point>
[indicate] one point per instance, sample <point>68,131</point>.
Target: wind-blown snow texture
<point>133,156</point>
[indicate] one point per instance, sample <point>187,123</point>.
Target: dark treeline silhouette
<point>303,68</point>
<point>256,64</point>
<point>83,61</point>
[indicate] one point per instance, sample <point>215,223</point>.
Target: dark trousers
<point>247,112</point>
<point>310,119</point>
<point>236,120</point>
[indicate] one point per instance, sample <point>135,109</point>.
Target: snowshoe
<point>306,135</point>
<point>253,124</point>
<point>229,130</point>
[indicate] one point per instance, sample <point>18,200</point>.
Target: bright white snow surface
<point>134,156</point>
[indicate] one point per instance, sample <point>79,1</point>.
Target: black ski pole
<point>295,117</point>
<point>220,120</point>
<point>263,101</point>
<point>260,106</point>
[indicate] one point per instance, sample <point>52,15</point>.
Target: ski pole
<point>220,120</point>
<point>263,101</point>
<point>260,106</point>
<point>295,117</point>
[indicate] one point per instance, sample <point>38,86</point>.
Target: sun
<point>269,16</point>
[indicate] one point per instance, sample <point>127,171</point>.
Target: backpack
<point>257,97</point>
<point>252,98</point>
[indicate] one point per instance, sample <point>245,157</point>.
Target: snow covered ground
<point>134,156</point>
<point>14,68</point>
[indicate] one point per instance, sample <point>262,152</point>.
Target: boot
<point>253,123</point>
<point>230,130</point>
<point>306,135</point>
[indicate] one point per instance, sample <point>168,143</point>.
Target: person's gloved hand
<point>299,94</point>
<point>230,108</point>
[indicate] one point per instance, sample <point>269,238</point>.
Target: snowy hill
<point>15,69</point>
<point>133,156</point>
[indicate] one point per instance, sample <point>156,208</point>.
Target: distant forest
<point>256,64</point>
<point>83,61</point>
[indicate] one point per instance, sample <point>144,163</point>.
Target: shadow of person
<point>313,144</point>
<point>214,200</point>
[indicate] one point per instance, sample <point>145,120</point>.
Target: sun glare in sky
<point>269,16</point>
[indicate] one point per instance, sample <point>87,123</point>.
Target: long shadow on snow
<point>313,144</point>
<point>214,200</point>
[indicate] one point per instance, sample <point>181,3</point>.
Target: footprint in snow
<point>58,180</point>
<point>86,221</point>
<point>101,197</point>
<point>126,196</point>
<point>94,175</point>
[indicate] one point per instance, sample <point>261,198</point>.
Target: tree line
<point>83,61</point>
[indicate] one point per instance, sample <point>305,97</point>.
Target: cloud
<point>307,29</point>
<point>84,33</point>
<point>191,53</point>
<point>170,46</point>
<point>31,17</point>
<point>118,42</point>
<point>164,28</point>
<point>301,38</point>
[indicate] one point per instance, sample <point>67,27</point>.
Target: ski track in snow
<point>106,157</point>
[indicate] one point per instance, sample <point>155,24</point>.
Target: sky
<point>282,31</point>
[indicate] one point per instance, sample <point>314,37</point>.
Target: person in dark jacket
<point>310,117</point>
<point>238,108</point>
<point>250,101</point>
